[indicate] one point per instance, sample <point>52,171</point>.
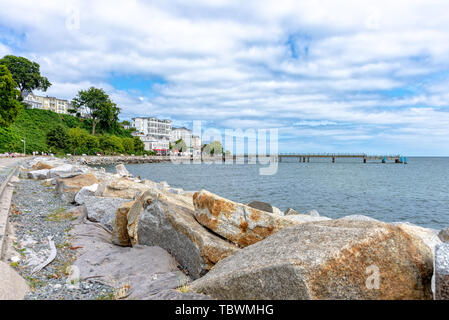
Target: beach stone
<point>13,286</point>
<point>122,171</point>
<point>38,174</point>
<point>313,213</point>
<point>57,171</point>
<point>359,217</point>
<point>171,226</point>
<point>140,271</point>
<point>336,259</point>
<point>428,236</point>
<point>259,205</point>
<point>86,191</point>
<point>69,187</point>
<point>290,211</point>
<point>234,221</point>
<point>41,165</point>
<point>120,235</point>
<point>103,210</point>
<point>444,235</point>
<point>123,188</point>
<point>264,206</point>
<point>442,272</point>
<point>304,218</point>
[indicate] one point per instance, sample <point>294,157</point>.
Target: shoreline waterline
<point>415,192</point>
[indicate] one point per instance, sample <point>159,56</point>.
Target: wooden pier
<point>305,157</point>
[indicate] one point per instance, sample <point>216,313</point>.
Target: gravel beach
<point>36,214</point>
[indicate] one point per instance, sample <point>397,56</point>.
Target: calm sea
<point>417,192</point>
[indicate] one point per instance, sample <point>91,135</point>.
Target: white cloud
<point>292,64</point>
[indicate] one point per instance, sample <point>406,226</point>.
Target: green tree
<point>110,144</point>
<point>128,145</point>
<point>92,144</point>
<point>58,139</point>
<point>98,106</point>
<point>25,73</point>
<point>139,146</point>
<point>77,139</point>
<point>213,148</point>
<point>180,145</point>
<point>9,105</point>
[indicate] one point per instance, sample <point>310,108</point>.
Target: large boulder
<point>136,273</point>
<point>103,210</point>
<point>38,174</point>
<point>69,187</point>
<point>41,165</point>
<point>337,259</point>
<point>86,191</point>
<point>442,272</point>
<point>428,236</point>
<point>170,225</point>
<point>120,235</point>
<point>122,171</point>
<point>234,221</point>
<point>123,188</point>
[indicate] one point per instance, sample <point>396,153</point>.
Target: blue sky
<point>331,76</point>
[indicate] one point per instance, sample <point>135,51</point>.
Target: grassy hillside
<point>33,125</point>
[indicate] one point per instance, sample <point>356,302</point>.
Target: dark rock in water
<point>261,206</point>
<point>336,259</point>
<point>442,272</point>
<point>290,211</point>
<point>444,235</point>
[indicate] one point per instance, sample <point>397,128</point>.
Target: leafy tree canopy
<point>57,138</point>
<point>99,107</point>
<point>9,106</point>
<point>213,148</point>
<point>25,73</point>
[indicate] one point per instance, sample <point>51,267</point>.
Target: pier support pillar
<point>333,159</point>
<point>364,160</point>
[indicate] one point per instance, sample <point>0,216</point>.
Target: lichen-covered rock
<point>41,165</point>
<point>69,187</point>
<point>120,235</point>
<point>234,221</point>
<point>428,236</point>
<point>170,224</point>
<point>337,259</point>
<point>442,272</point>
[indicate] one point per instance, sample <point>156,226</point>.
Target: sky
<point>330,76</point>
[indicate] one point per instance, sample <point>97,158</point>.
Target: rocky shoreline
<point>139,239</point>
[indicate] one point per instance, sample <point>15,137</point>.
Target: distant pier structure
<point>305,157</point>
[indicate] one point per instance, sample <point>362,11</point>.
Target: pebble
<point>34,203</point>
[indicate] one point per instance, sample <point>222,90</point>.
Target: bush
<point>58,139</point>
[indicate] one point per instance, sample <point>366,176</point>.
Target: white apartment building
<point>152,126</point>
<point>47,103</point>
<point>157,144</point>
